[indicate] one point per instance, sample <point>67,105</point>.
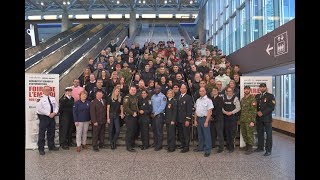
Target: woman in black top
<point>217,124</point>
<point>114,110</point>
<point>112,82</point>
<point>124,88</point>
<point>145,110</point>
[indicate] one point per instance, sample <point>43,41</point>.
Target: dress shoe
<point>102,147</point>
<point>65,147</point>
<point>249,150</point>
<point>158,149</point>
<point>206,154</point>
<point>143,148</point>
<point>96,149</point>
<point>78,148</point>
<point>243,148</point>
<point>72,144</point>
<point>197,150</point>
<point>179,147</point>
<point>152,145</point>
<point>54,149</point>
<point>140,146</point>
<point>115,145</point>
<point>171,150</point>
<point>42,153</point>
<point>85,146</point>
<point>112,145</point>
<point>230,151</point>
<point>184,150</point>
<point>258,150</point>
<point>131,150</point>
<point>267,154</point>
<point>220,151</point>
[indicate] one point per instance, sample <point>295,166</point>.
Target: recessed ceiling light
<point>290,69</point>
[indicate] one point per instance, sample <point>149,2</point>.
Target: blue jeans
<point>204,135</point>
<point>114,128</point>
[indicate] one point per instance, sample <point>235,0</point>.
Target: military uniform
<point>265,104</point>
<point>126,74</point>
<point>130,105</point>
<point>66,122</point>
<point>248,114</point>
<point>170,116</point>
<point>144,120</point>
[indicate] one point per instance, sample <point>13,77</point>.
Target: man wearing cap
<point>247,118</point>
<point>66,119</point>
<point>265,106</point>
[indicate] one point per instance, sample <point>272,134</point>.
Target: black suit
<point>184,114</point>
<point>171,115</point>
<point>265,104</point>
<point>98,113</point>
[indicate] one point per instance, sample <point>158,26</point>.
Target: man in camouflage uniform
<point>130,107</point>
<point>125,72</point>
<point>247,118</point>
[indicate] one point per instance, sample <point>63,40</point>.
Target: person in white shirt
<point>202,118</point>
<point>223,78</point>
<point>46,109</point>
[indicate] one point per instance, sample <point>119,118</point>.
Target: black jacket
<point>185,105</point>
<point>145,105</point>
<point>66,108</point>
<point>217,113</point>
<point>265,104</point>
<point>171,111</point>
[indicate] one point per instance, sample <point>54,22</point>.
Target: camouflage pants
<point>247,133</point>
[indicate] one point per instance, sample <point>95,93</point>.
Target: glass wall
<point>246,20</point>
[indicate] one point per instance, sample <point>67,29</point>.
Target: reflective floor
<point>150,164</point>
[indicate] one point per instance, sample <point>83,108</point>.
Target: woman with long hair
<point>124,88</point>
<point>85,77</point>
<point>114,110</point>
<point>113,81</point>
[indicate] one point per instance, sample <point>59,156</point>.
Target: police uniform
<point>184,114</point>
<point>265,104</point>
<point>130,105</point>
<point>231,104</point>
<point>217,125</point>
<point>45,106</point>
<point>170,116</point>
<point>248,115</point>
<point>66,122</point>
<point>202,106</point>
<point>114,113</point>
<point>158,102</point>
<point>144,120</point>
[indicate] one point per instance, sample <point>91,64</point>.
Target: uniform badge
<point>274,101</point>
<point>254,103</point>
<point>143,104</point>
<point>184,102</point>
<point>87,104</point>
<point>149,102</point>
<point>169,106</point>
<point>265,99</point>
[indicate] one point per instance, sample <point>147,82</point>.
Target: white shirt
<point>224,80</point>
<point>203,105</point>
<point>43,106</point>
<point>183,95</point>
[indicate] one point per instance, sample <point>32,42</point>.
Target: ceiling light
<point>68,2</point>
<point>139,2</point>
<point>169,1</point>
<point>290,69</point>
<point>144,1</point>
<point>165,2</point>
<point>118,2</point>
<point>191,2</point>
<point>64,3</point>
<point>42,4</point>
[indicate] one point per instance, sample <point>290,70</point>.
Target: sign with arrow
<point>280,44</point>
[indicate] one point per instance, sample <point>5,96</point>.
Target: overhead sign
<point>274,49</point>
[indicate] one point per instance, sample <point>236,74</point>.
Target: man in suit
<point>98,116</point>
<point>265,106</point>
<point>184,117</point>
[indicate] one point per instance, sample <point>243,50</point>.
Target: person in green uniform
<point>247,118</point>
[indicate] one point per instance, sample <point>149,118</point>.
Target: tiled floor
<point>149,164</point>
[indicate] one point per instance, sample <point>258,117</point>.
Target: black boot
<point>249,150</point>
<point>112,145</point>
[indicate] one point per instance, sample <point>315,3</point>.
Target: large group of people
<point>192,86</point>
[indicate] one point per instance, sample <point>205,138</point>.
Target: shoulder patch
<point>125,100</point>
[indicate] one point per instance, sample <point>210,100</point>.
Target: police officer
<point>66,119</point>
<point>230,109</point>
<point>247,118</point>
<point>184,117</point>
<point>265,106</point>
<point>158,101</point>
<point>46,108</point>
<point>170,119</point>
<point>202,118</point>
<point>145,110</point>
<point>217,125</point>
<point>130,107</point>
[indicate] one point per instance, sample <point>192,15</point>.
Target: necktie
<point>101,101</point>
<point>51,107</point>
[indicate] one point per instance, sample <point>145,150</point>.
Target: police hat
<point>246,87</point>
<point>68,89</point>
<point>263,85</point>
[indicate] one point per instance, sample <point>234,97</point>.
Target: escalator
<point>31,51</point>
<point>37,57</point>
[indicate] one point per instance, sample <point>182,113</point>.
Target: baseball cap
<point>262,85</point>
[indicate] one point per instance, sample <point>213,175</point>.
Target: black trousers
<point>184,135</point>
<point>261,128</point>
<point>131,123</point>
<point>217,132</point>
<point>230,126</point>
<point>98,133</point>
<point>157,127</point>
<point>114,128</point>
<point>171,136</point>
<point>144,125</point>
<point>65,131</point>
<point>46,124</point>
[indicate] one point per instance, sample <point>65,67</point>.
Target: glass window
<point>221,20</point>
<point>227,39</point>
<point>288,10</point>
<point>227,2</point>
<point>217,8</point>
<point>230,37</point>
<point>221,6</point>
<point>243,34</point>
<point>269,16</point>
<point>241,1</point>
<point>233,4</point>
<point>234,28</point>
<point>227,13</point>
<point>217,25</point>
<point>256,20</point>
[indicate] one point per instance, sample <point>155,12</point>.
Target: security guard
<point>184,117</point>
<point>158,101</point>
<point>202,118</point>
<point>47,108</point>
<point>66,119</point>
<point>130,107</point>
<point>247,118</point>
<point>170,119</point>
<point>230,108</point>
<point>265,106</point>
<point>145,110</point>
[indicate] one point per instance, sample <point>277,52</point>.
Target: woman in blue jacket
<point>81,116</point>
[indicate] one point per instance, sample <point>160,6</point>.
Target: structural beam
<point>91,4</point>
<point>106,4</point>
<point>36,5</point>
